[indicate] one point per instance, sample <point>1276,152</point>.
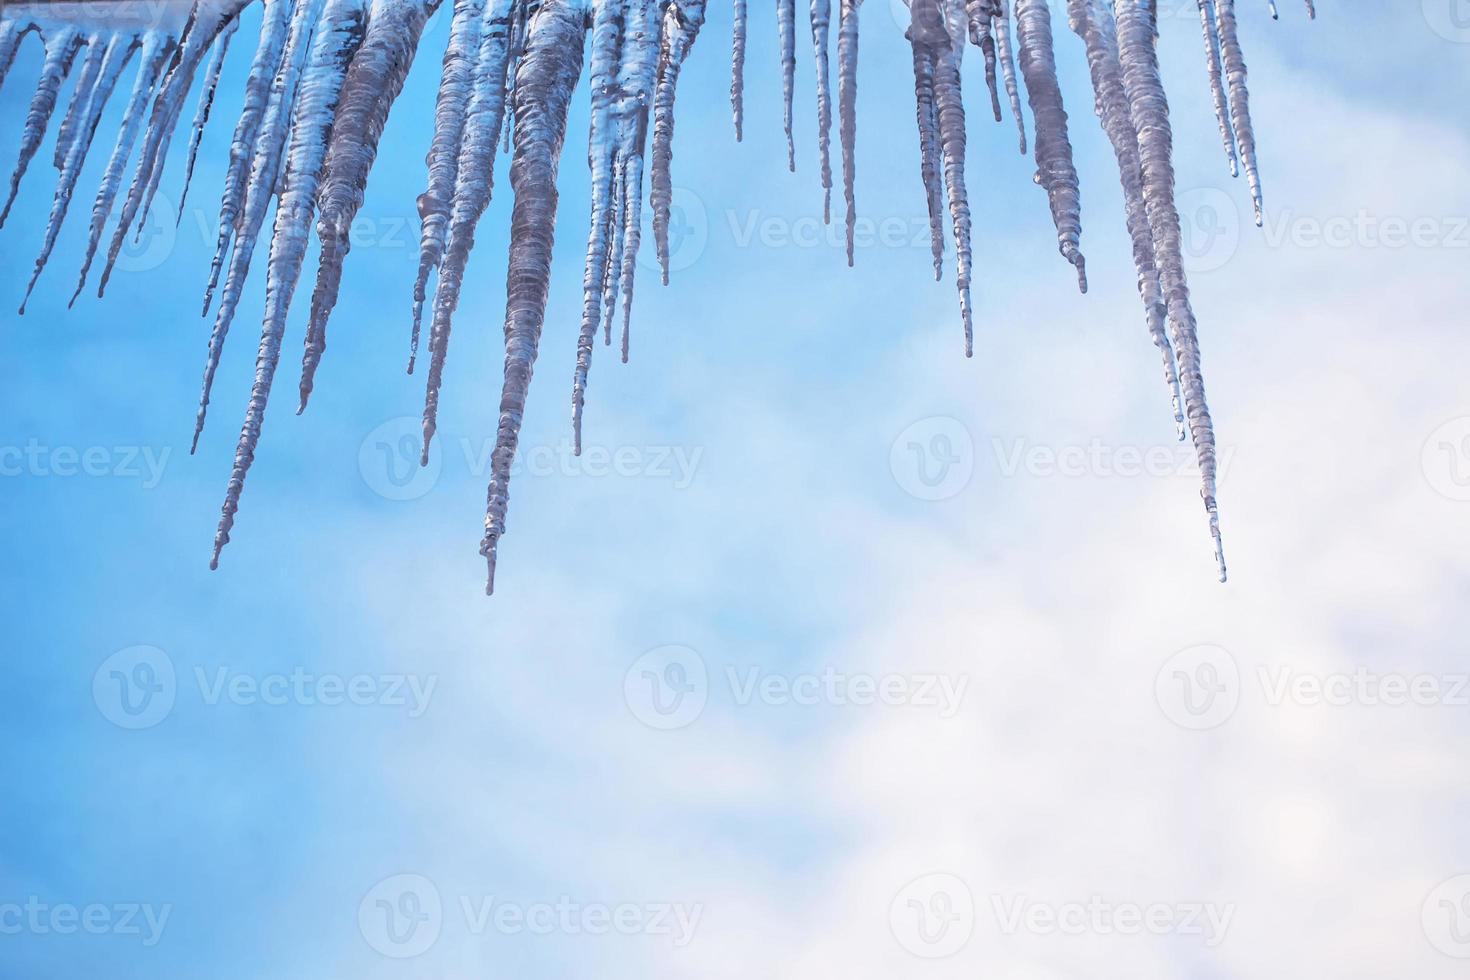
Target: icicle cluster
<point>325,73</point>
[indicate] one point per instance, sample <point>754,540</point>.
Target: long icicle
<point>206,104</point>
<point>81,97</point>
<point>737,69</point>
<point>274,28</point>
<point>116,53</point>
<point>450,107</point>
<point>1149,111</point>
<point>61,50</point>
<point>821,15</point>
<point>682,21</point>
<point>1240,103</point>
<point>270,142</point>
<point>473,184</point>
<point>1002,31</point>
<point>786,26</point>
<point>157,49</point>
<point>372,86</point>
<point>546,78</point>
<point>1055,171</point>
<point>1217,82</point>
<point>636,80</point>
<point>929,165</point>
<point>980,15</point>
<point>950,109</point>
<point>337,39</point>
<point>847,60</point>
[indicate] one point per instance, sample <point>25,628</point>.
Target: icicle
<point>1149,112</point>
<point>81,95</point>
<point>737,70</point>
<point>821,12</point>
<point>1311,10</point>
<point>274,28</point>
<point>157,49</point>
<point>206,102</point>
<point>681,25</point>
<point>1054,169</point>
<point>1002,30</point>
<point>116,53</point>
<point>11,34</point>
<point>1240,105</point>
<point>929,149</point>
<point>786,25</point>
<point>372,85</point>
<point>443,160</point>
<point>1275,14</point>
<point>205,23</point>
<point>636,79</point>
<point>270,143</point>
<point>981,14</point>
<point>611,281</point>
<point>602,143</point>
<point>473,184</point>
<point>1217,82</point>
<point>1093,22</point>
<point>61,49</point>
<point>546,77</point>
<point>950,111</point>
<point>336,41</point>
<point>847,57</point>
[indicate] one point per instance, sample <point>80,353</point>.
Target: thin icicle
<point>1055,171</point>
<point>372,85</point>
<point>1311,10</point>
<point>157,49</point>
<point>929,165</point>
<point>270,142</point>
<point>821,13</point>
<point>1002,30</point>
<point>1217,82</point>
<point>274,29</point>
<point>786,25</point>
<point>206,103</point>
<point>950,111</point>
<point>473,185</point>
<point>1240,103</point>
<point>336,41</point>
<point>847,60</point>
<point>81,97</point>
<point>1093,21</point>
<point>434,203</point>
<point>737,70</point>
<point>682,21</point>
<point>61,49</point>
<point>116,53</point>
<point>981,17</point>
<point>546,78</point>
<point>611,281</point>
<point>1149,112</point>
<point>636,80</point>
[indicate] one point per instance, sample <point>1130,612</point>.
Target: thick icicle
<point>602,144</point>
<point>434,203</point>
<point>274,28</point>
<point>372,85</point>
<point>1149,111</point>
<point>929,166</point>
<point>1055,171</point>
<point>81,97</point>
<point>1217,82</point>
<point>337,39</point>
<point>1008,66</point>
<point>116,52</point>
<point>205,23</point>
<point>546,77</point>
<point>682,21</point>
<point>473,184</point>
<point>786,25</point>
<point>1093,21</point>
<point>157,49</point>
<point>1240,104</point>
<point>265,169</point>
<point>847,59</point>
<point>206,103</point>
<point>61,49</point>
<point>821,13</point>
<point>636,80</point>
<point>737,70</point>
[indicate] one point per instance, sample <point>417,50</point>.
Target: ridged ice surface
<point>324,74</point>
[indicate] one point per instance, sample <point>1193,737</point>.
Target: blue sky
<point>906,690</point>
